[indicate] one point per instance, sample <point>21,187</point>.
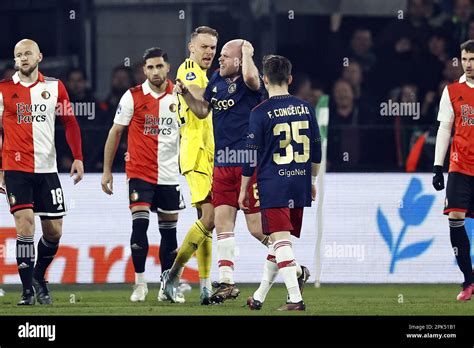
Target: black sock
<point>46,252</point>
<point>139,239</point>
<point>168,244</point>
<point>462,248</point>
<point>25,259</point>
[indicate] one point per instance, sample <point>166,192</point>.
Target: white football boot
<point>139,293</point>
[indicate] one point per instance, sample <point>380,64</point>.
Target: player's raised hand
<point>107,183</point>
<point>313,192</point>
<point>180,87</point>
<point>438,178</point>
<point>244,200</point>
<point>78,168</point>
<point>2,183</point>
<point>247,48</point>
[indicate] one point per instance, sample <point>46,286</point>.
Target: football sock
<point>139,239</point>
<point>225,256</point>
<point>46,252</point>
<point>204,261</point>
<point>193,240</point>
<point>25,259</point>
<point>140,278</point>
<point>461,247</point>
<point>286,264</point>
<point>270,272</point>
<point>168,244</point>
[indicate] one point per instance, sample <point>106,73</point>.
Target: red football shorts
<point>282,219</point>
<point>226,188</point>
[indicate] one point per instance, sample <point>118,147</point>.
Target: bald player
<point>231,94</point>
<point>29,103</point>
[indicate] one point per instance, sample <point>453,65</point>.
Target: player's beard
<point>28,71</point>
<point>158,83</point>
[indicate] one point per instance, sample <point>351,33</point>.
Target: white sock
<point>299,271</point>
<point>270,272</point>
<point>140,278</point>
<point>286,263</point>
<point>225,256</point>
<point>205,283</point>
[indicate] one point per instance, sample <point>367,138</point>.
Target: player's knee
<point>25,224</point>
<point>208,221</point>
<point>52,229</point>
<point>457,215</point>
<point>224,226</point>
<point>53,235</point>
<point>255,227</point>
<point>256,233</point>
<point>224,221</point>
<point>207,216</point>
<point>163,217</point>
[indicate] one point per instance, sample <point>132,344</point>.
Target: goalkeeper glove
<point>438,178</point>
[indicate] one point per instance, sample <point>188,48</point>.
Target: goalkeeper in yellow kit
<point>197,160</point>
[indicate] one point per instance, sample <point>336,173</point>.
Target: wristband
<point>313,180</point>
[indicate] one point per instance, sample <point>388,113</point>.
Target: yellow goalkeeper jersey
<point>196,134</point>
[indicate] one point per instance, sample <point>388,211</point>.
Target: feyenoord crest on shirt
<point>134,196</point>
<point>12,199</point>
<point>45,95</point>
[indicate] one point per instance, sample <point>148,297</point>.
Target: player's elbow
<point>115,131</point>
<point>249,77</point>
<point>252,81</point>
<point>201,114</point>
<point>202,111</point>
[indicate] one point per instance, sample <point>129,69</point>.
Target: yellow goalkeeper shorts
<point>200,178</point>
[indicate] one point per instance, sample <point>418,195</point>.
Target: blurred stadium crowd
<point>404,59</point>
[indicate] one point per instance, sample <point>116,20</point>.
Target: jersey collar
<point>16,78</point>
<point>463,79</point>
<point>193,61</point>
<point>147,89</point>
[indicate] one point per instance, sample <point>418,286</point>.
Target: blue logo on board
<point>413,210</point>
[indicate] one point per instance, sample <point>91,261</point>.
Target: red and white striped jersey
<point>28,113</point>
<point>457,106</point>
<point>153,134</point>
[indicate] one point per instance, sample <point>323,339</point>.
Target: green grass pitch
<point>330,299</point>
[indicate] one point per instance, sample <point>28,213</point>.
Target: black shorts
<point>460,194</point>
<point>41,192</point>
<point>160,198</point>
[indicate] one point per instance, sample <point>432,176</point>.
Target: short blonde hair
<point>204,30</point>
